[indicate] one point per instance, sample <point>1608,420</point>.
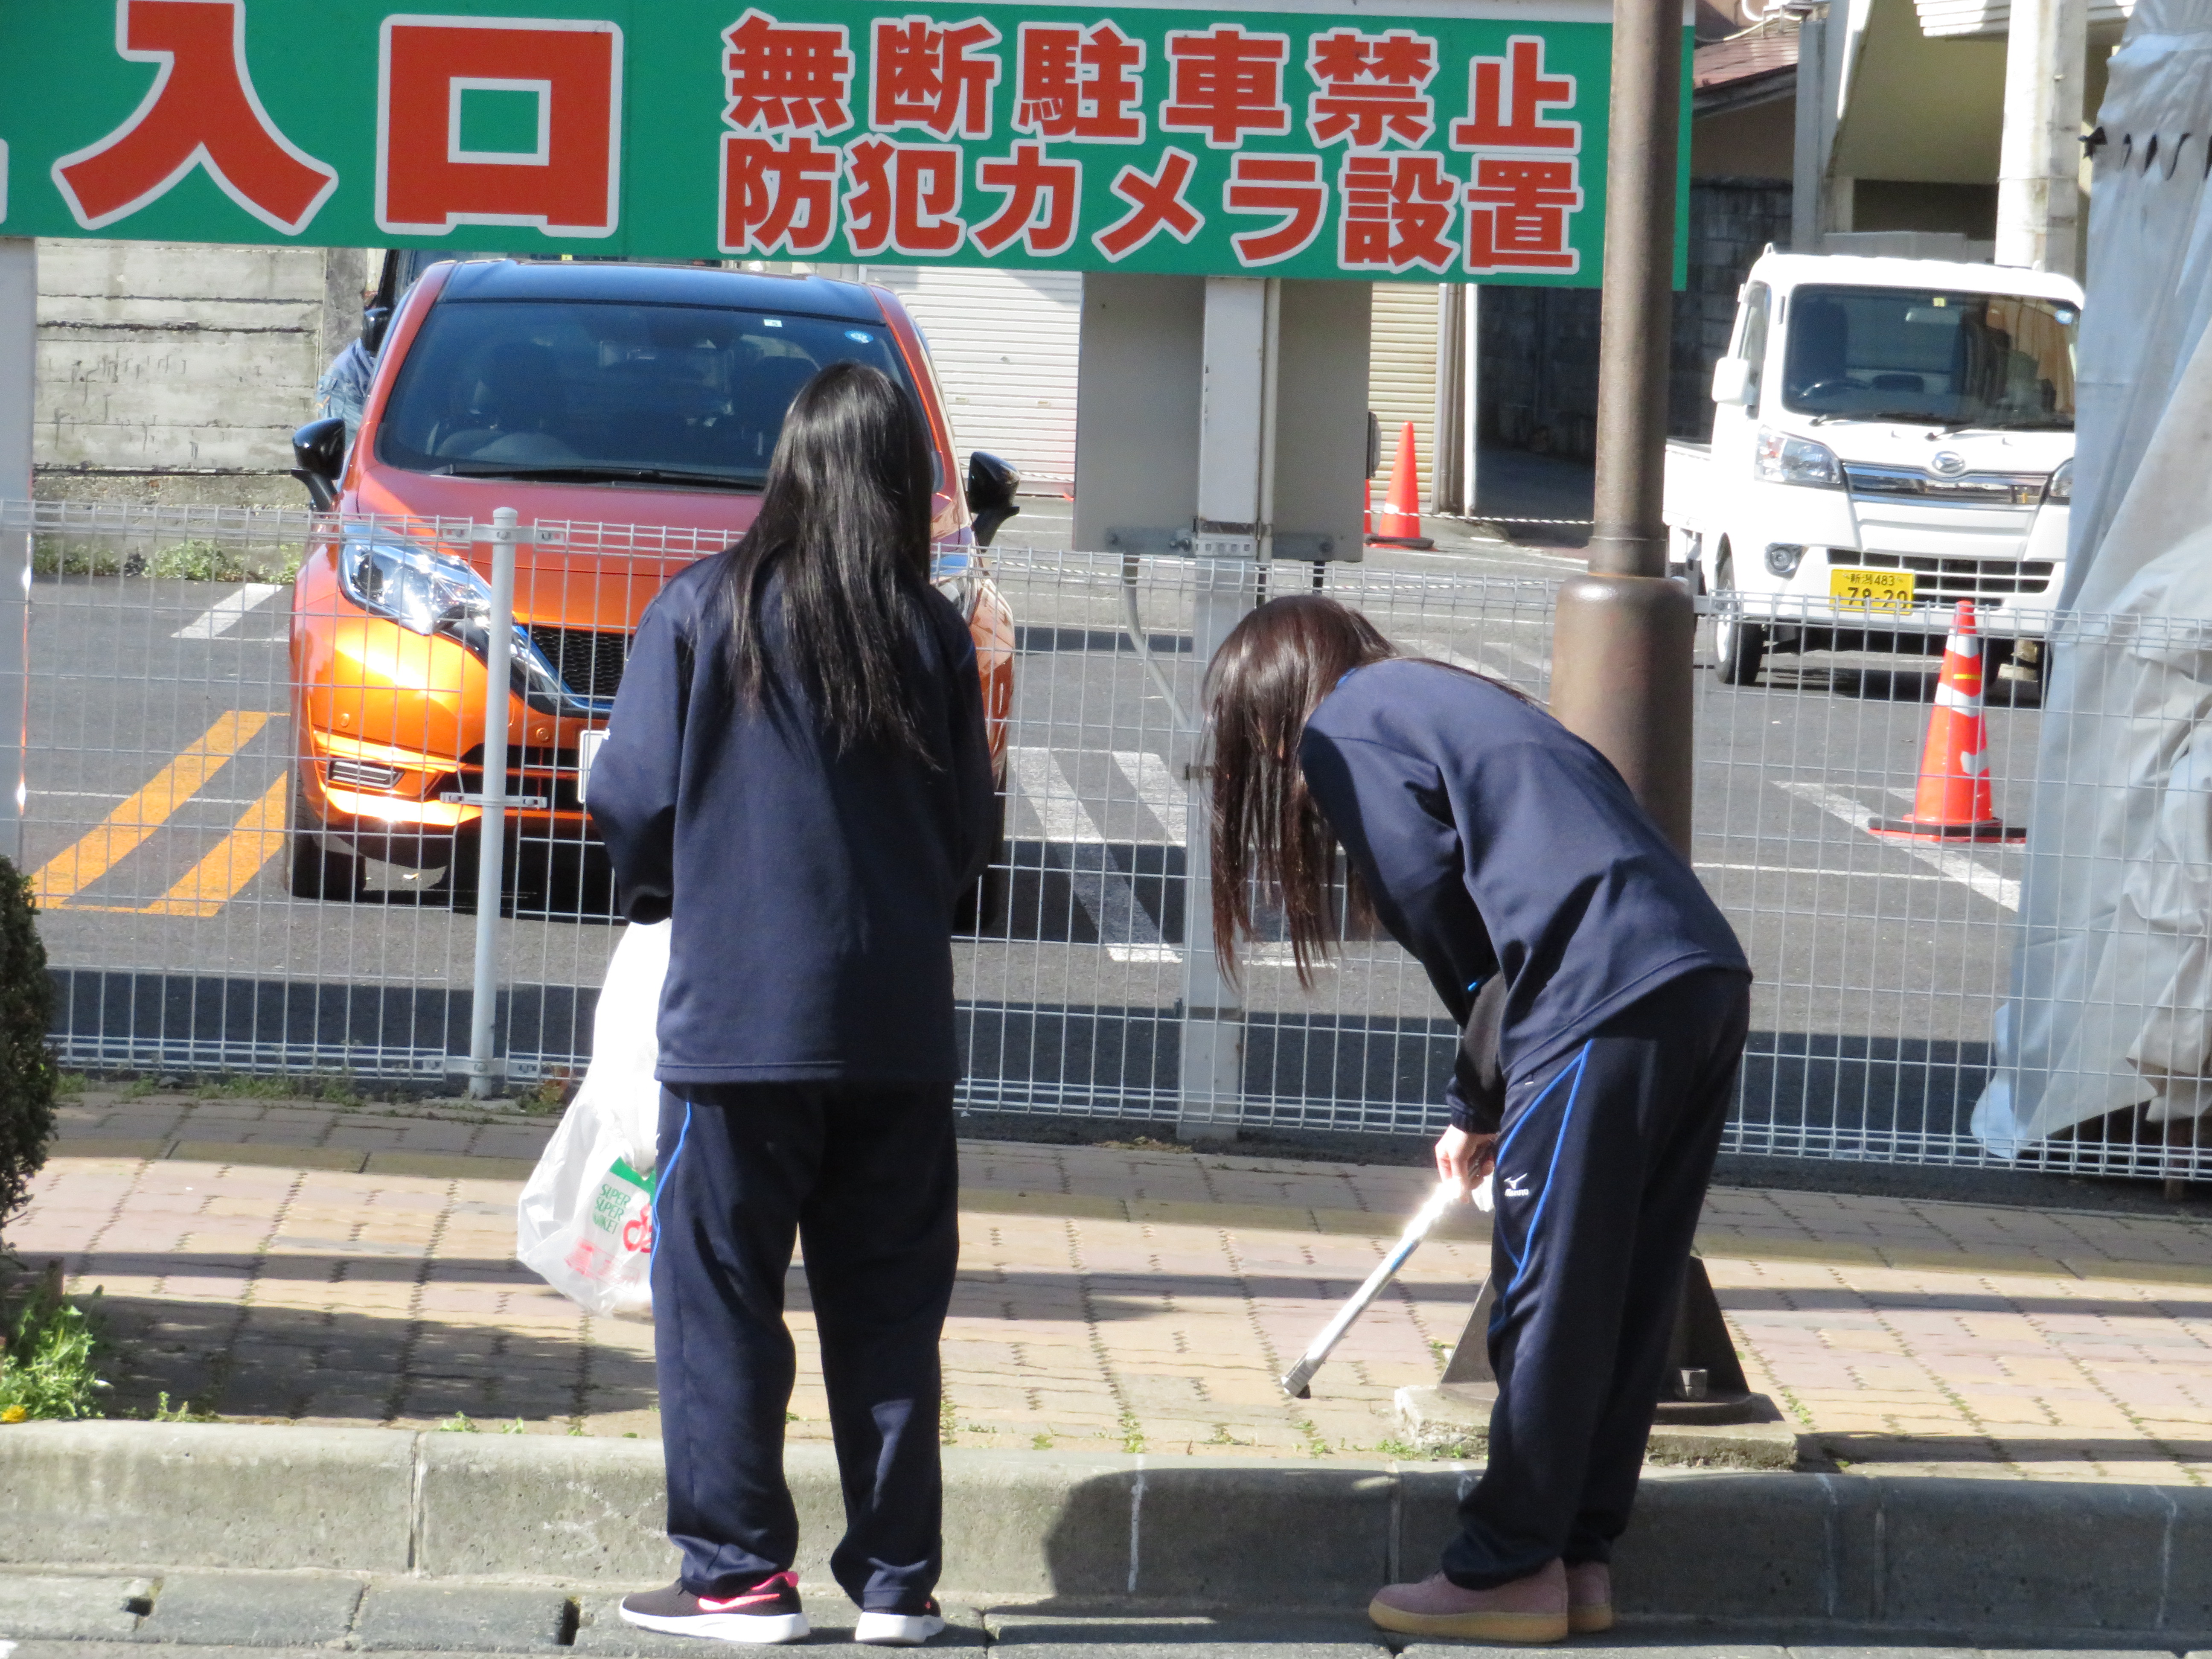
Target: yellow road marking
<point>217,879</point>
<point>131,823</point>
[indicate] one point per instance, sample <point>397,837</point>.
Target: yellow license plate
<point>1872,589</point>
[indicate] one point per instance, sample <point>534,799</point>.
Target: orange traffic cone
<point>1402,511</point>
<point>1953,802</point>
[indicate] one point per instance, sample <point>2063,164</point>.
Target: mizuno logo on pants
<point>1516,1186</point>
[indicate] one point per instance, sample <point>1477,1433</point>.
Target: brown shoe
<point>1589,1598</point>
<point>1531,1609</point>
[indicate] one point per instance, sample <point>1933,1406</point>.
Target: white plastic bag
<point>584,1222</point>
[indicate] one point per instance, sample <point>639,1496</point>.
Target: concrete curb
<point>1821,1551</point>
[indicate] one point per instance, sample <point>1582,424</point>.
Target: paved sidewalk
<point>284,1261</point>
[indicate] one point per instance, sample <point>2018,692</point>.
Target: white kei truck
<point>1890,436</point>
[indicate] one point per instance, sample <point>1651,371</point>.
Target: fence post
<point>19,352</point>
<point>491,847</point>
<point>1235,462</point>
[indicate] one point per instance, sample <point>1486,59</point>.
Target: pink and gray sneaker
<point>900,1629</point>
<point>768,1613</point>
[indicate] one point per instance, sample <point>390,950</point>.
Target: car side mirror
<point>374,320</point>
<point>992,486</point>
<point>1732,381</point>
<point>319,448</point>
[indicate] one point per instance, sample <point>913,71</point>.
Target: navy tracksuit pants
<point>1603,1157</point>
<point>866,1177</point>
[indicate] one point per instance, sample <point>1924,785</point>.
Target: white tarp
<point>2111,984</point>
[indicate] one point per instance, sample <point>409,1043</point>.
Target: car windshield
<point>1944,359</point>
<point>604,391</point>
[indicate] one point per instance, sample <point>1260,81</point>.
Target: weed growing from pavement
<point>47,1367</point>
<point>457,1424</point>
<point>1040,1442</point>
<point>947,1429</point>
<point>163,1413</point>
<point>68,1085</point>
<point>547,1097</point>
<point>195,561</point>
<point>1133,1432</point>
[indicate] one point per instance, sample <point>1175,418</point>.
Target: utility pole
<point>19,379</point>
<point>2039,169</point>
<point>1624,633</point>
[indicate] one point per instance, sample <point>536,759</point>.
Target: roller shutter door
<point>1003,344</point>
<point>1402,374</point>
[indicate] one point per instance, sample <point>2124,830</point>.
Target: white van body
<point>1890,436</point>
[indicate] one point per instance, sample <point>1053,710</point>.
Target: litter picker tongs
<point>1297,1380</point>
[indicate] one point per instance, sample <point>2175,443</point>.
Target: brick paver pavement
<point>294,1262</point>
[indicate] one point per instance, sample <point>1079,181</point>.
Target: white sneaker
<point>900,1629</point>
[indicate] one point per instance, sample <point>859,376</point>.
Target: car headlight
<point>418,586</point>
<point>2059,487</point>
<point>1781,459</point>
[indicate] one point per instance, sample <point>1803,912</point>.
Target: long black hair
<point>844,531</point>
<point>1262,686</point>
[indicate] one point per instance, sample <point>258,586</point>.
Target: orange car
<point>580,394</point>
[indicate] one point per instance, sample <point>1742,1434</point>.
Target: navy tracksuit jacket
<point>808,1054</point>
<point>1492,840</point>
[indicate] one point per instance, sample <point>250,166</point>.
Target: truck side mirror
<point>992,486</point>
<point>319,448</point>
<point>1732,381</point>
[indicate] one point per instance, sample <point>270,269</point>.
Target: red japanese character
<point>1396,211</point>
<point>923,75</point>
<point>1507,97</point>
<point>1371,86</point>
<point>1156,203</point>
<point>1075,83</point>
<point>1289,185</point>
<point>201,110</point>
<point>1520,222</point>
<point>1227,83</point>
<point>1042,200</point>
<point>777,197</point>
<point>566,185</point>
<point>788,77</point>
<point>905,196</point>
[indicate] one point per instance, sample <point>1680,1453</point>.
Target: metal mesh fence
<point>199,702</point>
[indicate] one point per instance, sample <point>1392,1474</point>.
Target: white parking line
<point>223,615</point>
<point>1163,796</point>
<point>1125,928</point>
<point>1050,793</point>
<point>1514,655</point>
<point>1945,861</point>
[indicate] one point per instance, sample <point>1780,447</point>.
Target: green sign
<point>1132,138</point>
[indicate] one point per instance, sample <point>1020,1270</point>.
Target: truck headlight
<point>2059,487</point>
<point>416,587</point>
<point>1783,558</point>
<point>1781,459</point>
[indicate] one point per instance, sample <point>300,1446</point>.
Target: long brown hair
<point>1267,835</point>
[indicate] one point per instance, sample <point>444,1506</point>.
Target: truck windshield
<point>606,392</point>
<point>1946,359</point>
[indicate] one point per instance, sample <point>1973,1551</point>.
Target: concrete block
<point>206,1495</point>
<point>1631,1646</point>
<point>2185,1598</point>
<point>1269,1535</point>
<point>252,1609</point>
<point>1743,1546</point>
<point>71,1606</point>
<point>2025,1555</point>
<point>412,1615</point>
<point>601,1632</point>
<point>1144,1636</point>
<point>530,1506</point>
<point>1025,1524</point>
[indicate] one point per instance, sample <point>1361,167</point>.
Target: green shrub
<point>46,1367</point>
<point>27,1075</point>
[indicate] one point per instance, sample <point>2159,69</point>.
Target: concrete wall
<point>177,372</point>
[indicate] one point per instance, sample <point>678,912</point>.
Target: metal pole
<point>1624,633</point>
<point>19,353</point>
<point>491,847</point>
<point>1234,464</point>
<point>2039,167</point>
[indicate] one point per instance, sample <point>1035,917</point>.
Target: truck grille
<point>589,663</point>
<point>1969,489</point>
<point>1954,579</point>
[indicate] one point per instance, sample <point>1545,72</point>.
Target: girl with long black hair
<point>1503,851</point>
<point>797,774</point>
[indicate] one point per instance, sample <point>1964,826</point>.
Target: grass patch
<point>68,1085</point>
<point>47,1369</point>
<point>547,1097</point>
<point>199,560</point>
<point>164,1412</point>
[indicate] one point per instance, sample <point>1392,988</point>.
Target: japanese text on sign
<point>1144,139</point>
